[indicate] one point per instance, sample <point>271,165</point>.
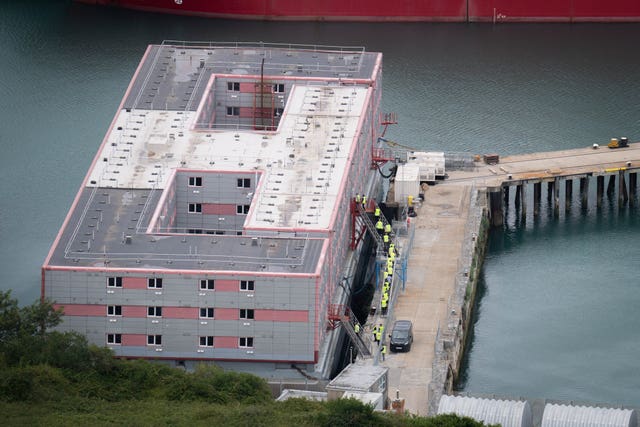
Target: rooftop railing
<point>262,45</point>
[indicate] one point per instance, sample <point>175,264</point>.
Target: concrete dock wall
<point>452,336</point>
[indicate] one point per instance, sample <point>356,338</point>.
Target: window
<point>154,311</point>
<point>244,182</point>
<point>246,313</point>
<point>242,209</point>
<point>246,285</point>
<point>195,208</point>
<point>233,86</point>
<point>114,338</point>
<point>114,282</point>
<point>207,284</point>
<point>154,339</point>
<point>194,231</point>
<point>278,88</point>
<point>206,341</point>
<point>233,111</point>
<point>195,181</point>
<point>277,112</point>
<point>154,283</point>
<point>114,310</point>
<point>245,342</point>
<point>206,312</point>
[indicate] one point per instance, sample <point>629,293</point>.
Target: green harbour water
<point>557,313</point>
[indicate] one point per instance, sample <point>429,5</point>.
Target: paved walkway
<point>432,268</point>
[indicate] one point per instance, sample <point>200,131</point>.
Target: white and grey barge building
<point>214,223</point>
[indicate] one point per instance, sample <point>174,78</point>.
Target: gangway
<point>360,220</point>
<point>341,314</point>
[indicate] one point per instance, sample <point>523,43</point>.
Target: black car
<point>401,336</point>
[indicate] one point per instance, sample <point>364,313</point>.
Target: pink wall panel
<point>226,285</point>
<point>134,339</point>
<point>83,309</point>
<point>227,314</point>
<point>134,282</point>
<point>180,312</point>
<point>134,311</point>
<point>225,342</point>
<point>282,315</point>
<point>247,87</point>
<point>218,209</point>
<point>246,112</point>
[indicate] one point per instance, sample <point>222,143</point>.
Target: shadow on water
<point>477,310</point>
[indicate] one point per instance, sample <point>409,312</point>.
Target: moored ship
<point>408,10</point>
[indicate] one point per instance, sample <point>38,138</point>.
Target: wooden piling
<point>599,190</point>
<point>568,193</point>
<point>584,192</point>
<point>556,197</point>
<point>611,187</point>
<point>623,196</point>
<point>523,200</point>
<point>633,182</point>
<point>537,190</point>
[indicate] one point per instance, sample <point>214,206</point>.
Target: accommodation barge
<point>214,222</point>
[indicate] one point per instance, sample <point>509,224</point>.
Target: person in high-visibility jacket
<point>376,212</point>
<point>383,304</point>
<point>383,352</point>
<point>364,202</point>
<point>375,334</point>
<point>379,226</point>
<point>379,335</point>
<point>358,198</point>
<point>356,328</point>
<point>385,240</point>
<point>387,228</point>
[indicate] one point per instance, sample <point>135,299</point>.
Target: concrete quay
<point>435,266</point>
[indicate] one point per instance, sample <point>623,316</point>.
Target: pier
<point>449,240</point>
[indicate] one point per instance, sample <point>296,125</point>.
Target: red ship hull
<point>399,10</point>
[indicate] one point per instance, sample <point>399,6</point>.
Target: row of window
<point>197,208</point>
<point>205,284</point>
<point>217,232</point>
<point>196,181</point>
<point>235,87</point>
<point>205,312</point>
<point>235,111</point>
<point>205,341</point>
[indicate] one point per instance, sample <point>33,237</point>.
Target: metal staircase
<point>341,314</point>
<point>360,212</point>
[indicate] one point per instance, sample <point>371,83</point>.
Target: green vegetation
<point>52,378</point>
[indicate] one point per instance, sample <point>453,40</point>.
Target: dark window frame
<point>195,181</point>
<point>114,282</point>
<point>207,284</point>
<point>154,283</point>
<point>247,285</point>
